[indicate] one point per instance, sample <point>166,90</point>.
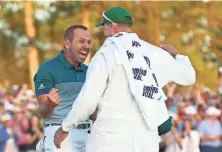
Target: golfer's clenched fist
<point>53,97</point>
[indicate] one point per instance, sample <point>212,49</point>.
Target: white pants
<point>74,142</point>
<point>122,136</point>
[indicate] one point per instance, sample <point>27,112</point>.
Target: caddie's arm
<point>178,68</point>
<point>90,95</point>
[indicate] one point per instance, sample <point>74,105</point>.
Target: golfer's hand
<point>170,49</point>
<point>60,135</point>
<point>93,116</point>
<point>53,97</point>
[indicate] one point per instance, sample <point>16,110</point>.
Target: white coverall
<point>119,126</point>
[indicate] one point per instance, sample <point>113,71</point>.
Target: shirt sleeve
<point>220,128</point>
<point>179,69</point>
<point>201,129</point>
<point>43,81</point>
<point>90,94</point>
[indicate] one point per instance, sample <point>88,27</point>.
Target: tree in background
<point>84,9</point>
<point>13,61</point>
<point>32,52</point>
<point>194,28</point>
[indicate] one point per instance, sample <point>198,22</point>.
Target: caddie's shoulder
<point>107,45</point>
<point>152,48</point>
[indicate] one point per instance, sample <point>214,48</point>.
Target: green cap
<point>116,15</point>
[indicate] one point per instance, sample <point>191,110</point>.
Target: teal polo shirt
<point>59,73</point>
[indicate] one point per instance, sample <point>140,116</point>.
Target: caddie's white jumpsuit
<point>119,126</point>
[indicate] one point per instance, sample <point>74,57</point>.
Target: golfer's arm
<point>90,95</point>
<point>44,108</point>
<point>43,84</point>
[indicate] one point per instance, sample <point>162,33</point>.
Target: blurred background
<point>31,32</point>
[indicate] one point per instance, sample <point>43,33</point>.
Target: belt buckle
<point>83,126</point>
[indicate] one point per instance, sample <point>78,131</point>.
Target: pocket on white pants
<point>49,139</point>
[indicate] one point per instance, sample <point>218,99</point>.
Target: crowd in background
<point>197,117</point>
<point>20,126</point>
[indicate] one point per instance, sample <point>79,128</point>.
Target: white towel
<point>142,80</point>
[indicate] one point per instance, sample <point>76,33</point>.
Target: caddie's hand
<point>53,97</point>
<point>170,49</point>
<point>59,136</point>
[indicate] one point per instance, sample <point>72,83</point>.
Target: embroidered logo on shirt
<point>136,44</point>
<point>41,86</point>
<point>138,73</point>
<point>148,91</point>
<point>129,54</point>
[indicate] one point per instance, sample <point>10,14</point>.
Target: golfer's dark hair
<point>69,33</point>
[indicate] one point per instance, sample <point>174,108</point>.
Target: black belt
<point>52,124</point>
<point>80,126</point>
